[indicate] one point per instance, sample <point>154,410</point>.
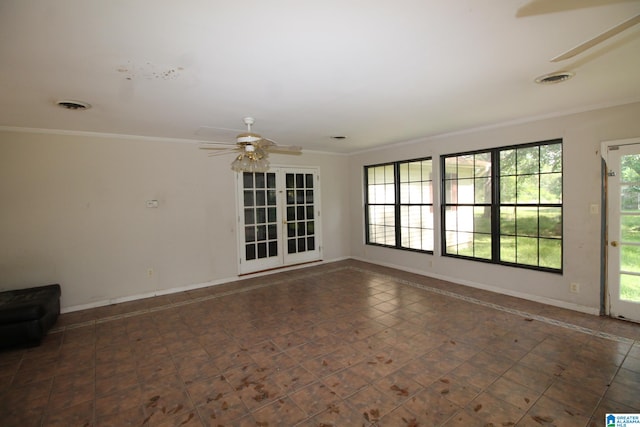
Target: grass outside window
<point>504,205</point>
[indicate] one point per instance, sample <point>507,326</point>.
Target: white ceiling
<point>376,71</point>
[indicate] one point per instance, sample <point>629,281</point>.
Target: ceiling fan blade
<point>273,147</point>
<point>285,149</point>
<point>222,152</point>
<point>598,39</point>
<point>541,7</point>
<point>266,142</point>
<point>219,149</point>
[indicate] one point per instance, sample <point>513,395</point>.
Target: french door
<point>623,230</point>
<point>279,218</point>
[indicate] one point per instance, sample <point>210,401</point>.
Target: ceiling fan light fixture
<point>253,150</point>
<point>243,163</point>
<point>261,165</point>
<point>557,77</point>
<point>253,159</point>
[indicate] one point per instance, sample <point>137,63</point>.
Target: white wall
<point>73,212</point>
<point>582,134</point>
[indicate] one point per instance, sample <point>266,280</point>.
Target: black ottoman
<point>27,314</point>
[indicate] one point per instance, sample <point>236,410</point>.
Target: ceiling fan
<point>252,149</point>
<point>537,7</point>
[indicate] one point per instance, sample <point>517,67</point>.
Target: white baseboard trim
<point>194,286</point>
<point>535,298</point>
<point>151,294</point>
<point>191,287</point>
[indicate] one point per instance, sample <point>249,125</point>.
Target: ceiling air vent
<point>73,105</point>
<point>557,77</point>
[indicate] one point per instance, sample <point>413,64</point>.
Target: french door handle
<point>614,243</point>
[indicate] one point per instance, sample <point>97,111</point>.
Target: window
<point>505,205</point>
<point>399,205</point>
<point>467,205</point>
<point>381,202</point>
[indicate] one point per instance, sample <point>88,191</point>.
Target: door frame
<point>604,285</point>
<point>281,260</point>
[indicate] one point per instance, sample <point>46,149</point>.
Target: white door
<point>279,218</point>
<point>623,231</point>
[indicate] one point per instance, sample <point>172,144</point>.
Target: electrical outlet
<point>150,272</point>
<point>574,288</point>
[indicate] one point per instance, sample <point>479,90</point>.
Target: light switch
<point>594,209</point>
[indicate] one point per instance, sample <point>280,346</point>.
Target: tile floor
<point>342,344</point>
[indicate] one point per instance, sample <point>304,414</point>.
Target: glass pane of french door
<point>623,185</point>
<point>260,219</point>
<point>300,212</point>
<point>302,216</point>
